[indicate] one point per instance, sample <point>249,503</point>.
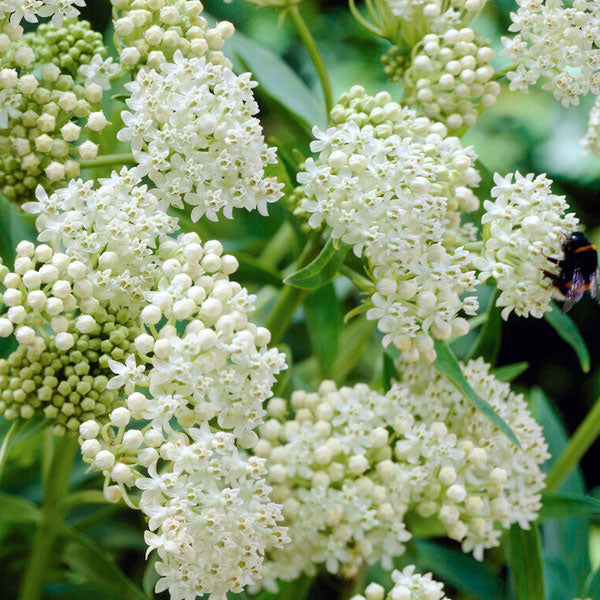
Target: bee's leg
<point>557,281</point>
<point>554,261</point>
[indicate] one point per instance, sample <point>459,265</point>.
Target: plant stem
<point>313,52</point>
<point>83,497</point>
<point>279,245</point>
<point>6,444</point>
<point>290,298</point>
<point>578,445</point>
<point>107,159</point>
<point>55,490</point>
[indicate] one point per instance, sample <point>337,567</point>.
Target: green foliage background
<point>101,550</point>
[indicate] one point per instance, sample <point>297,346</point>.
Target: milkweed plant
<point>162,239</point>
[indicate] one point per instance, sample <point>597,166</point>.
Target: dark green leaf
<point>324,321</point>
<point>461,571</point>
<point>293,590</point>
<point>14,227</point>
<point>390,373</point>
<point>277,80</point>
<point>76,591</point>
<point>525,560</point>
<point>567,330</point>
<point>447,364</point>
<point>254,270</point>
<point>17,510</point>
<point>322,269</point>
<point>557,506</point>
<point>508,373</point>
<point>88,559</point>
<point>487,343</point>
<point>150,577</point>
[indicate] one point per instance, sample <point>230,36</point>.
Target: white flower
<point>99,71</point>
<point>557,43</point>
<point>408,585</point>
<point>194,134</point>
<point>392,184</point>
<point>524,230</point>
<point>591,141</point>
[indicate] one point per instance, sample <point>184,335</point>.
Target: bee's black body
<point>578,269</point>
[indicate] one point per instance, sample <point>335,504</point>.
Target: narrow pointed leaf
<point>322,269</point>
<point>487,343</point>
<point>508,373</point>
<point>592,586</point>
<point>525,560</point>
<point>448,365</point>
<point>557,506</point>
<point>568,331</point>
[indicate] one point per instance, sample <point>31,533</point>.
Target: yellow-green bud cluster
<point>67,386</point>
<point>151,31</point>
<point>43,114</point>
<point>69,47</point>
<point>395,61</point>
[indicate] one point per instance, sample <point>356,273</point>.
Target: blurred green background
<point>529,133</point>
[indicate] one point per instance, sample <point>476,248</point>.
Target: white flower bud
<point>104,460</point>
<point>153,438</point>
<point>97,121</point>
<point>85,324</point>
<point>151,315</point>
<point>119,417</point>
<point>133,439</point>
<point>64,341</point>
<point>88,150</point>
<point>113,494</point>
<point>144,343</point>
<point>6,327</point>
<point>456,493</point>
<point>89,429</point>
<point>147,457</point>
<point>358,464</point>
<point>120,473</point>
<point>90,448</point>
<point>25,335</point>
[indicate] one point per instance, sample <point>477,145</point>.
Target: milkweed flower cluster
<point>47,110</point>
<point>525,227</point>
<point>151,31</point>
<point>194,134</point>
<point>394,186</point>
<point>591,140</point>
<point>210,515</point>
<point>557,43</point>
<point>450,77</point>
<point>352,465</point>
<point>12,13</point>
<point>408,585</point>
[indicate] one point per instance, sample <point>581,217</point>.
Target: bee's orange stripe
<point>584,248</point>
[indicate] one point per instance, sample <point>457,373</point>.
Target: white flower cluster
<point>12,12</point>
<point>525,227</point>
<point>352,463</point>
<point>483,479</point>
<point>557,43</point>
<point>408,585</point>
<point>449,79</point>
<point>591,141</point>
<point>393,185</point>
<point>194,134</point>
<point>210,515</point>
<point>114,228</point>
<point>151,31</point>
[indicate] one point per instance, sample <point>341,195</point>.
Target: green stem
<point>279,245</point>
<point>313,52</point>
<point>6,444</point>
<point>107,159</point>
<point>55,490</point>
<point>83,497</point>
<point>578,445</point>
<point>290,298</point>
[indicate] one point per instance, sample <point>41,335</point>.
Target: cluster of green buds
<point>151,31</point>
<point>45,117</point>
<point>65,340</point>
<point>69,47</point>
<point>395,62</point>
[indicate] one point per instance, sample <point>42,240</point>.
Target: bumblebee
<point>578,270</point>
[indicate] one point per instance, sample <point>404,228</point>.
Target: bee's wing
<point>594,284</point>
<point>575,291</point>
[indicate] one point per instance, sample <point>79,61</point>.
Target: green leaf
<point>84,556</point>
<point>508,373</point>
<point>487,343</point>
<point>568,331</point>
<point>277,80</point>
<point>15,510</point>
<point>390,373</point>
<point>525,560</point>
<point>324,321</point>
<point>254,270</point>
<point>76,591</point>
<point>14,227</point>
<point>322,269</point>
<point>557,506</point>
<point>150,577</point>
<point>447,364</point>
<point>461,571</point>
<point>293,590</point>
